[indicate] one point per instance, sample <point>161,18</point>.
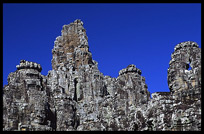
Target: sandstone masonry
<point>76,96</point>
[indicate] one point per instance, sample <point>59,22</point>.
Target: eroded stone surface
<point>75,95</point>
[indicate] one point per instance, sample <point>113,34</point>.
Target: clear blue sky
<point>118,35</point>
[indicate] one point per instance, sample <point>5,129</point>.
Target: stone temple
<point>76,96</point>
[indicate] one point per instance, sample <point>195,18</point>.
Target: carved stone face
<point>40,115</point>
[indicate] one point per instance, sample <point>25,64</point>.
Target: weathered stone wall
<point>75,95</point>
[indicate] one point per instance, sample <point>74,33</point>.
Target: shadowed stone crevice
<point>75,89</point>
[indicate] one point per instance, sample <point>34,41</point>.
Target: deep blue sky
<point>118,35</point>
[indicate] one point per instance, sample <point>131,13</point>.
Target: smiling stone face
<point>71,47</point>
<point>181,79</point>
<point>40,115</point>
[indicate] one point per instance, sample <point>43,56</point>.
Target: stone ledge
<point>185,44</point>
<point>130,68</point>
<point>29,65</point>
